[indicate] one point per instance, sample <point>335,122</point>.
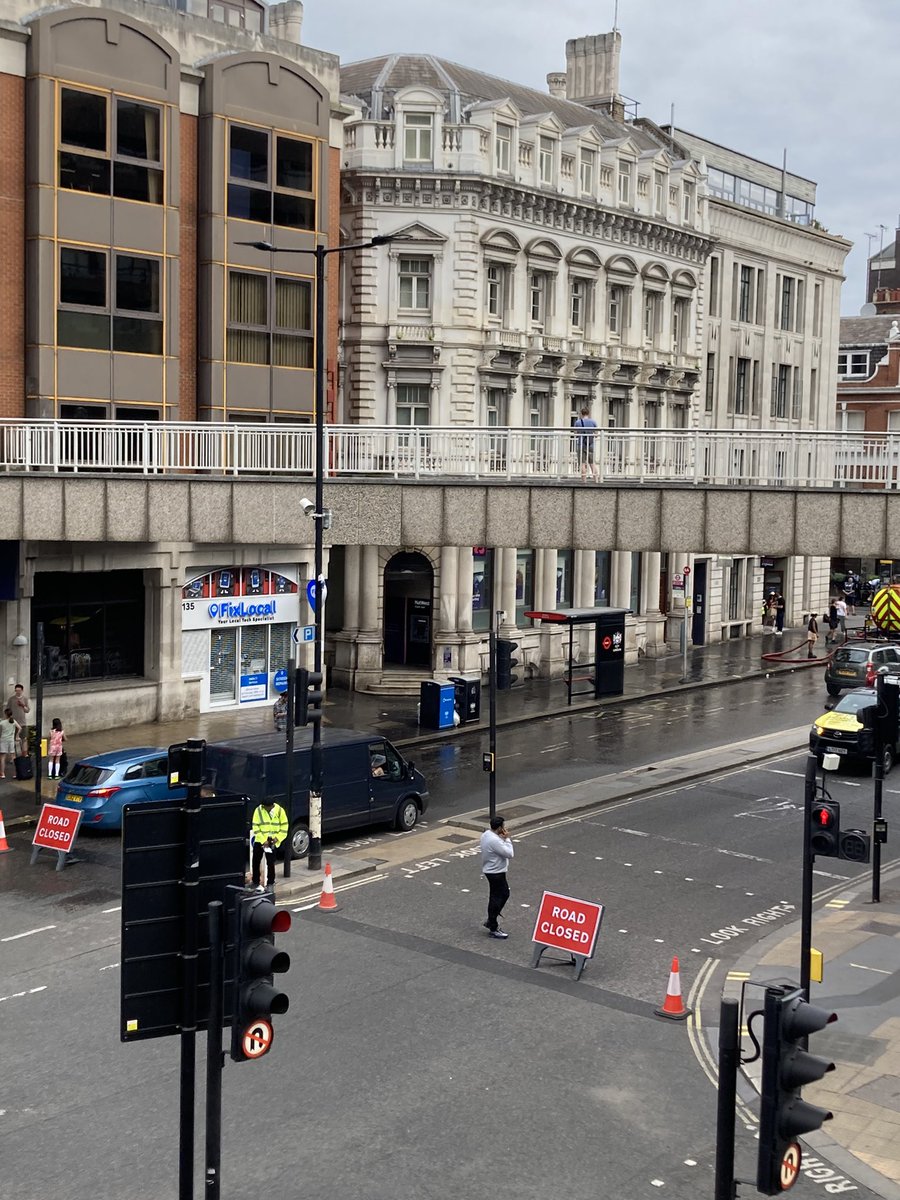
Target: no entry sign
<point>565,923</point>
<point>57,828</point>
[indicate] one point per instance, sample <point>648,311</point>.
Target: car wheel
<point>299,840</point>
<point>832,689</point>
<point>887,759</point>
<point>407,814</point>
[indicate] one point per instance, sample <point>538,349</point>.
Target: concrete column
<point>508,588</point>
<point>449,592</point>
<point>352,559</point>
<point>368,587</point>
<point>620,579</point>
<point>464,589</point>
<point>549,572</point>
<point>650,583</point>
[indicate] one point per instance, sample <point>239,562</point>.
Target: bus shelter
<point>606,671</point>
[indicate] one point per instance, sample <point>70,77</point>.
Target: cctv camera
<point>308,507</point>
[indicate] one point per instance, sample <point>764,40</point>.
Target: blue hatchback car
<point>100,785</point>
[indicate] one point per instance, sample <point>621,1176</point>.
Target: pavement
<point>860,941</point>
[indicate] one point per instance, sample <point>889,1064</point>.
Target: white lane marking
<point>515,754</point>
<point>775,771</point>
<point>27,992</point>
<point>118,908</point>
<point>111,967</point>
<point>829,874</point>
<point>344,887</point>
<point>860,967</point>
<point>28,932</point>
<point>633,832</point>
<point>550,749</point>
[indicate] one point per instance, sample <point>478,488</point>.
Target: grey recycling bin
<point>436,705</point>
<point>467,698</point>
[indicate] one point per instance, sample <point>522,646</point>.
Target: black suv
<point>856,665</point>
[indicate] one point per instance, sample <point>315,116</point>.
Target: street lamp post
<point>320,253</point>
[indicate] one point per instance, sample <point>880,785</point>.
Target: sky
<point>815,77</point>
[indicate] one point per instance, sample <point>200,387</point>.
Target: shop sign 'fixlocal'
<point>247,610</point>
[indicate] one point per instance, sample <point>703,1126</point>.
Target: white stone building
<point>549,256</point>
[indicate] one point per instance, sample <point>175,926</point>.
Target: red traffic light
<point>823,816</point>
<point>281,922</point>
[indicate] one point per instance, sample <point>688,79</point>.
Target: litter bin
<point>467,697</point>
<point>436,705</point>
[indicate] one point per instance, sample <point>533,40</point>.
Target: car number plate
<point>851,674</point>
<point>836,750</point>
<point>75,799</point>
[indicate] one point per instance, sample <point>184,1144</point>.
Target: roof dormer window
<point>546,147</point>
<point>417,137</point>
<point>237,15</point>
<point>503,149</point>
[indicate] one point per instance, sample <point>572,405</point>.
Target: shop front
<point>236,633</point>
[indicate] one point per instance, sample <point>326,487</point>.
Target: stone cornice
<point>542,211</point>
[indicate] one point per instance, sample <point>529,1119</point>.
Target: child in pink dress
<point>55,749</point>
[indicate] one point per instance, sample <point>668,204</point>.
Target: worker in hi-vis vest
<point>268,829</point>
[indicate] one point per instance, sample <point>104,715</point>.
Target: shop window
<point>88,317</point>
<point>110,144</point>
<point>270,178</point>
<point>634,599</point>
<point>93,624</point>
<point>564,578</point>
<point>482,587</point>
<point>524,583</point>
<point>601,577</point>
<point>286,340</point>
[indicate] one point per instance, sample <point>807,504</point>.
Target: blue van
<point>367,781</point>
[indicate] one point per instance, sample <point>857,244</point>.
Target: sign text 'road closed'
<point>57,828</point>
<point>567,924</point>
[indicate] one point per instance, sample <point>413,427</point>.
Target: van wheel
<point>832,689</point>
<point>299,840</point>
<point>887,759</point>
<point>407,814</point>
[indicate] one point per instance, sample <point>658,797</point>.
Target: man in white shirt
<point>496,852</point>
<point>841,607</point>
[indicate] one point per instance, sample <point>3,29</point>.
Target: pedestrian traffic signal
<point>308,707</point>
<point>786,1068</point>
<point>825,829</point>
<point>505,664</point>
<point>256,963</point>
<point>869,738</point>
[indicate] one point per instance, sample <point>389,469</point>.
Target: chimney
<point>285,20</point>
<point>556,84</point>
<point>592,72</point>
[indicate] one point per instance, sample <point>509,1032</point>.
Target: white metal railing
<point>721,457</point>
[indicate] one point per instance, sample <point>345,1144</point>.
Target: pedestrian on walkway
<point>20,708</point>
<point>496,853</point>
<point>812,635</point>
<point>779,615</point>
<point>840,608</point>
<point>268,829</point>
<point>831,619</point>
<point>9,736</point>
<point>55,748</point>
<point>584,444</point>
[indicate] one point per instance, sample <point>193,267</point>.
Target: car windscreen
<point>86,775</point>
<point>851,656</point>
<point>853,704</point>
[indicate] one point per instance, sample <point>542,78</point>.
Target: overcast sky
<point>818,77</point>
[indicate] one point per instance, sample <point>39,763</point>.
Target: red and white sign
<point>567,924</point>
<point>257,1039</point>
<point>57,828</point>
<point>790,1166</point>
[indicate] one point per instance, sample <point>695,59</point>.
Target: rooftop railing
<point>679,456</point>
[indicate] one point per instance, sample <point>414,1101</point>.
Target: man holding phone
<point>496,852</point>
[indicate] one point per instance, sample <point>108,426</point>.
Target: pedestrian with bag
<point>832,620</point>
<point>55,749</point>
<point>9,736</point>
<point>812,635</point>
<point>268,829</point>
<point>496,854</point>
<point>19,706</point>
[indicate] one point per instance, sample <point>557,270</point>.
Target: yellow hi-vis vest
<point>267,825</point>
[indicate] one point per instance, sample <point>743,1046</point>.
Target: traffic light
<point>869,738</point>
<point>256,963</point>
<point>505,664</point>
<point>308,707</point>
<point>786,1068</point>
<point>825,828</point>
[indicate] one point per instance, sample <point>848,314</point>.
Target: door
<point>408,601</point>
<point>386,779</point>
<point>418,632</point>
<point>222,666</point>
<point>698,620</point>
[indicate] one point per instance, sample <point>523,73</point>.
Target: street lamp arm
<point>271,248</point>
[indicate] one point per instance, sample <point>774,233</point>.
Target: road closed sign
<point>564,923</point>
<point>57,828</point>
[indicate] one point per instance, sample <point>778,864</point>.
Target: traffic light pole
<point>289,759</point>
<point>492,711</point>
<point>214,1054</point>
<point>729,1054</point>
<point>809,796</point>
<point>315,774</point>
<point>189,975</point>
<point>878,777</point>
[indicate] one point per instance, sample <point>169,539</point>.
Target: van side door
<point>387,775</point>
<point>345,801</point>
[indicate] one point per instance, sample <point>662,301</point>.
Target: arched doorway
<point>408,593</point>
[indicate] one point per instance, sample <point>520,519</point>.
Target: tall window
<point>781,382</point>
<point>482,587</point>
<point>564,578</point>
<point>415,284</point>
<point>537,297</point>
<point>269,320</point>
<point>634,599</point>
<point>586,171</point>
<point>681,319</point>
<point>524,582</point>
<point>413,404</point>
<point>546,147</point>
<point>797,394</point>
<point>270,178</point>
<point>788,302</point>
<point>710,382</point>
<point>417,137</point>
<point>714,286</point>
<point>109,301</point>
<point>615,309</point>
<point>687,201</point>
<point>601,577</point>
<point>624,183</point>
<point>503,149</point>
<point>742,387</point>
<point>659,192</point>
<point>578,303</point>
<point>498,277</point>
<point>497,407</point>
<point>745,294</point>
<point>652,315</point>
<point>110,145</point>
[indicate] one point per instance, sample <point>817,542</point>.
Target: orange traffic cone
<point>672,1005</point>
<point>4,844</point>
<point>327,901</point>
